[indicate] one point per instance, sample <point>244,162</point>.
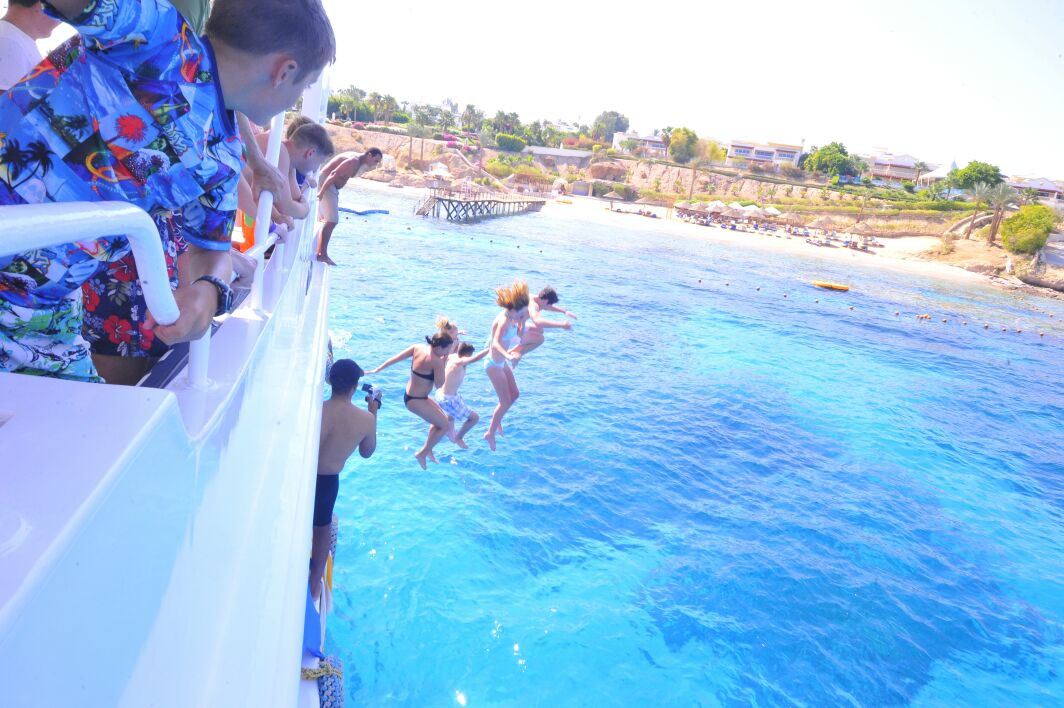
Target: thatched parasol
<point>613,195</point>
<point>822,222</point>
<point>735,205</point>
<point>860,228</point>
<point>733,213</point>
<point>716,208</point>
<point>771,211</point>
<point>649,201</point>
<point>791,218</point>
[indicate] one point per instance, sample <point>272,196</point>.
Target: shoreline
<point>898,253</point>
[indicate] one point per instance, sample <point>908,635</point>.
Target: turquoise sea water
<point>708,493</point>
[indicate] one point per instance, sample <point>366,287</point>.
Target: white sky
<point>937,79</point>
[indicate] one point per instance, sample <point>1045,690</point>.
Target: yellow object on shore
<point>830,286</point>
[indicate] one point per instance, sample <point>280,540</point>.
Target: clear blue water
<point>708,493</point>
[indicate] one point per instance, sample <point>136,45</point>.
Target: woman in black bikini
<point>426,371</point>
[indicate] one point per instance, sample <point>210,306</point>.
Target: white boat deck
<point>154,543</point>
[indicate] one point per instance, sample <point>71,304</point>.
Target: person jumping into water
<point>448,397</point>
<point>426,371</point>
<point>506,333</point>
<point>533,336</point>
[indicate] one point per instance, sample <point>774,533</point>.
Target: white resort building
<point>763,153</point>
<point>893,168</point>
<point>1048,190</point>
<point>650,145</point>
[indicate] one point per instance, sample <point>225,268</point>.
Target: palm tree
<point>920,168</point>
<point>374,101</point>
<point>980,192</point>
<point>697,165</point>
<point>1000,197</point>
<point>934,190</point>
<point>389,105</point>
<point>1030,195</point>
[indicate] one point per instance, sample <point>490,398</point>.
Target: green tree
<point>973,172</point>
<point>1001,197</point>
<point>682,144</point>
<point>507,123</point>
<point>606,124</point>
<point>446,119</point>
<point>630,145</point>
<point>832,159</point>
<point>980,193</point>
<point>1028,230</point>
<point>472,118</point>
<point>374,100</point>
<point>711,151</point>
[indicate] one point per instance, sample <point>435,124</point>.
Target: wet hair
<point>445,325</point>
<point>374,152</point>
<point>313,135</point>
<point>295,123</point>
<point>550,295</point>
<point>513,297</point>
<point>465,349</point>
<point>299,28</point>
<point>22,3</point>
<point>440,340</point>
<point>344,375</point>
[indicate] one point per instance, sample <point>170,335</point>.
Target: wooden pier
<point>469,206</point>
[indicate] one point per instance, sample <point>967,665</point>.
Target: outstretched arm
<point>405,354</point>
<point>560,311</point>
<point>467,360</point>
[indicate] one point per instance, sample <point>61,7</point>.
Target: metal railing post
<point>199,355</point>
<point>265,211</point>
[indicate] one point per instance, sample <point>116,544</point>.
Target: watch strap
<point>225,293</point>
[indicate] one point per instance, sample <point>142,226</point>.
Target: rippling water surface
<point>708,493</point>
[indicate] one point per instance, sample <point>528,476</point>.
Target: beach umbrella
<point>792,219</point>
<point>772,211</point>
<point>860,228</point>
<point>822,222</point>
<point>613,195</point>
<point>651,202</point>
<point>732,213</point>
<point>735,205</point>
<point>717,203</point>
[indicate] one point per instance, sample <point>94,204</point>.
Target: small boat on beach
<point>830,286</point>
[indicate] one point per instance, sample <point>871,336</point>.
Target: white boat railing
<point>27,227</point>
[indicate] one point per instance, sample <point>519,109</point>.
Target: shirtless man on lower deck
<point>344,428</point>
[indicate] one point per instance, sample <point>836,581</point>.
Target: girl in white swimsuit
<point>506,333</point>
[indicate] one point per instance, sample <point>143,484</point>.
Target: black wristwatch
<point>225,294</point>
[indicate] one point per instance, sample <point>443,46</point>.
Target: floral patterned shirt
<point>129,110</point>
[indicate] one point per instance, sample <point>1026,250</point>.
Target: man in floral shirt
<point>137,108</point>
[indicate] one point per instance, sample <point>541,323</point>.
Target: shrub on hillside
<point>510,143</point>
<point>908,186</point>
<point>498,169</point>
<point>400,117</point>
<point>627,193</point>
<point>1028,230</point>
<point>358,125</point>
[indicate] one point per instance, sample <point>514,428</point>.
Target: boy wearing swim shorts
<point>450,401</point>
<point>138,108</point>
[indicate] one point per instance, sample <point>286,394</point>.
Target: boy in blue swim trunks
<point>450,401</point>
<point>138,108</point>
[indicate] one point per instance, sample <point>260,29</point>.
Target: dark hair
<point>374,152</point>
<point>440,339</point>
<point>22,3</point>
<point>344,375</point>
<point>313,135</point>
<point>465,349</point>
<point>549,295</point>
<point>295,123</point>
<point>296,27</point>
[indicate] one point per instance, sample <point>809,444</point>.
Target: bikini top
<point>428,377</point>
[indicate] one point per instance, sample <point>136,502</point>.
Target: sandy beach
<point>897,254</point>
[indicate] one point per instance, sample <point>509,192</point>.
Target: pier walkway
<point>469,206</point>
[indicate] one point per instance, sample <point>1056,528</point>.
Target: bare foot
<point>421,458</point>
<point>461,443</point>
<point>490,437</point>
<point>500,431</point>
<point>452,435</point>
<point>325,259</point>
<point>432,457</point>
